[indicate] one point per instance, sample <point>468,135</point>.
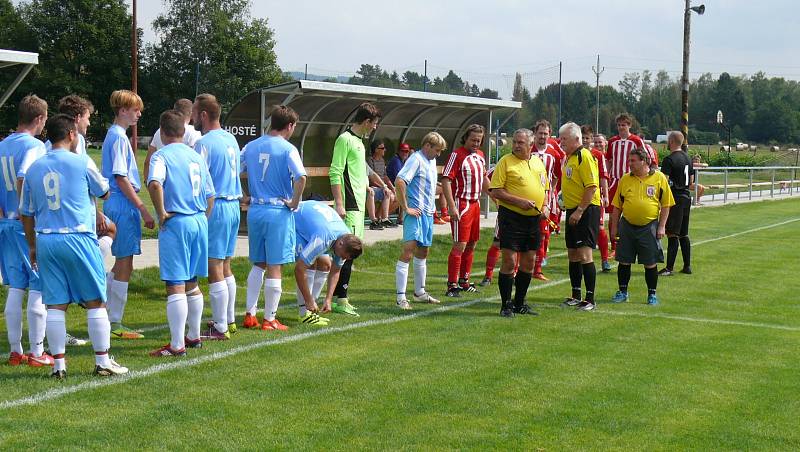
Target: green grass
<point>713,367</point>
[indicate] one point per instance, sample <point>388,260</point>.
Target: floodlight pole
<point>134,70</point>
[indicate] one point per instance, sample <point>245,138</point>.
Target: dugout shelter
<point>326,109</point>
<point>25,61</point>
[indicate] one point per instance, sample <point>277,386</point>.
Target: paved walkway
<point>149,257</point>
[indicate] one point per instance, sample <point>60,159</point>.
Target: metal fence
<point>723,183</point>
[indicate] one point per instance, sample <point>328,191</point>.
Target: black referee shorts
<point>678,220</point>
<point>586,231</point>
<point>638,242</point>
<point>518,232</point>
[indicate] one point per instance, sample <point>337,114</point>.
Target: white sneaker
<point>404,304</point>
<point>427,298</point>
<point>74,341</point>
<point>113,369</point>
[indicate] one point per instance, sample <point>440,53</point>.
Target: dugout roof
<point>12,58</point>
<point>326,109</point>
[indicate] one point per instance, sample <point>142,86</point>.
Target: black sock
<point>686,251</point>
<point>651,276</point>
<point>506,284</point>
<point>344,280</point>
<point>589,277</point>
<point>521,283</point>
<point>672,252</point>
<point>575,277</point>
<point>623,276</point>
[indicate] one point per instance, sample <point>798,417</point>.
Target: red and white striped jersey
<point>617,154</point>
<point>552,160</point>
<point>466,170</point>
<point>601,163</point>
<point>653,154</point>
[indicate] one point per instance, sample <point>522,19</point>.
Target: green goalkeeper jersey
<point>349,169</point>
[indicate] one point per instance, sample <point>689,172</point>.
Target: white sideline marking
<point>55,393</point>
<point>51,394</point>
<point>702,320</point>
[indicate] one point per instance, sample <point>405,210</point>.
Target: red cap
<point>404,147</point>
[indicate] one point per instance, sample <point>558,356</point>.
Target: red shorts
<point>612,190</point>
<point>468,227</point>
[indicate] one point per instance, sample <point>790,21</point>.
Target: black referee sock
<point>624,276</point>
<point>506,284</point>
<point>672,252</point>
<point>521,283</point>
<point>589,277</point>
<point>344,280</point>
<point>686,251</point>
<point>575,277</point>
<point>651,276</point>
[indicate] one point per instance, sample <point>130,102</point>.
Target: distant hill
<point>297,75</point>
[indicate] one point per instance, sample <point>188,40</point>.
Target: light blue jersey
<point>419,174</point>
<point>56,192</point>
<point>221,153</point>
<point>271,164</point>
<point>317,226</point>
<point>80,149</point>
<point>119,159</point>
<point>184,176</point>
<point>17,152</point>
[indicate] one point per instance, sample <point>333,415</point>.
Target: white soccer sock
<point>177,311</point>
<point>254,281</point>
<point>37,322</point>
<point>218,294</point>
<point>13,314</point>
<point>272,297</point>
<point>420,273</point>
<point>195,316</point>
<point>116,303</point>
<point>231,282</point>
<point>57,336</point>
<point>301,306</point>
<point>319,281</point>
<point>401,279</point>
<point>100,335</point>
<point>104,243</point>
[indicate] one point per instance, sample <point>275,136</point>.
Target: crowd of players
<point>54,235</point>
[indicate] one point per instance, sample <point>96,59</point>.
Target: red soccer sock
<point>491,260</point>
<point>603,244</point>
<point>453,265</point>
<point>466,263</point>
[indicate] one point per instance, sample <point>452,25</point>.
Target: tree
<point>89,57</point>
<point>219,40</point>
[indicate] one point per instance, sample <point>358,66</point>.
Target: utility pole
<point>597,71</point>
<point>687,17</point>
<point>559,96</point>
<point>134,70</point>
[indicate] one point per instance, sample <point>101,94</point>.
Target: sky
<point>487,42</point>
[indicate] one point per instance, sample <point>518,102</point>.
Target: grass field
<point>713,367</point>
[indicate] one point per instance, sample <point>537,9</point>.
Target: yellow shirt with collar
<point>524,178</point>
<point>641,199</point>
<point>578,175</point>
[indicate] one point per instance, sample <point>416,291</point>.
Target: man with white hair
<point>579,188</point>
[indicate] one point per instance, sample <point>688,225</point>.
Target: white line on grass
<point>55,393</point>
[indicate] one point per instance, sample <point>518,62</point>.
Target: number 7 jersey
<point>271,164</point>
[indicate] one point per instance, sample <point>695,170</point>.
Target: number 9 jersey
<point>55,193</point>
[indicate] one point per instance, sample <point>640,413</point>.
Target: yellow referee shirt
<point>641,200</point>
<point>524,178</point>
<point>578,174</point>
